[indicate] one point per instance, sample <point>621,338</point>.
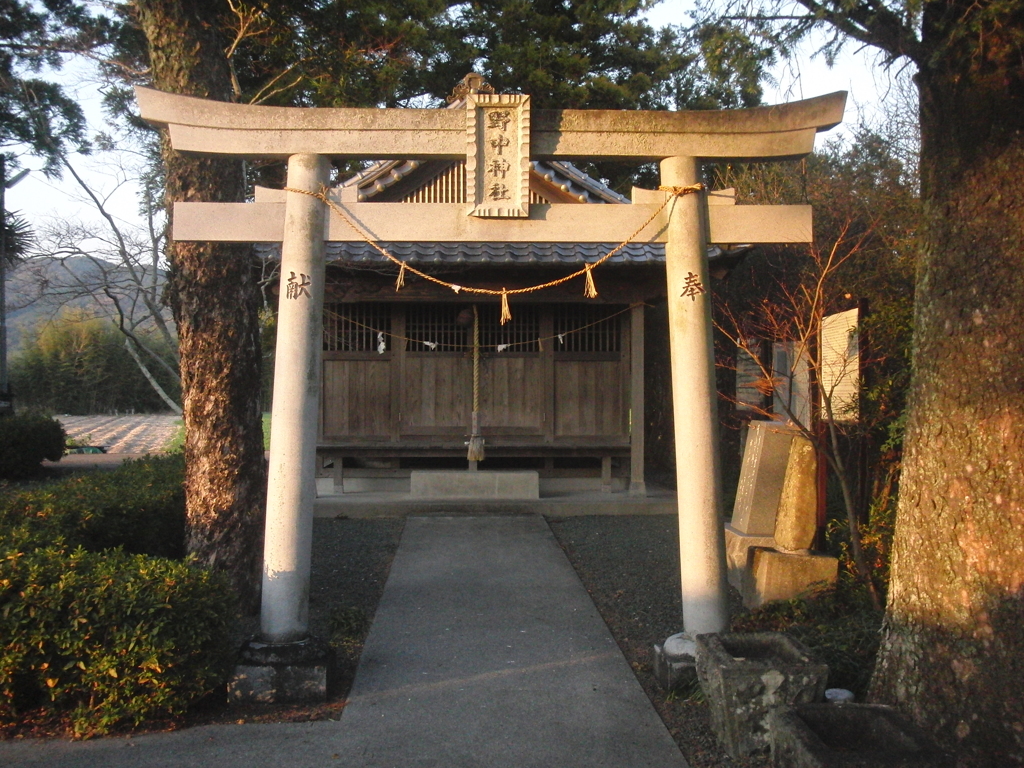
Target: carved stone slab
<point>498,155</point>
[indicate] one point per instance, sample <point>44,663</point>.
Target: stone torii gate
<point>497,135</point>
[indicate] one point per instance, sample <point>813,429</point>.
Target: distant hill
<point>39,288</point>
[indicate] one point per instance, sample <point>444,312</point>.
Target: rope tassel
<point>506,313</point>
<point>589,290</point>
<point>400,282</point>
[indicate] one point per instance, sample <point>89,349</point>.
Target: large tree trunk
<point>952,653</point>
<point>215,298</point>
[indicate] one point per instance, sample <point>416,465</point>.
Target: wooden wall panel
<point>512,393</point>
<point>355,398</point>
<point>437,394</point>
<point>554,394</point>
<point>589,401</point>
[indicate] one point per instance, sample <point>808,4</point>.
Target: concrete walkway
<point>486,651</point>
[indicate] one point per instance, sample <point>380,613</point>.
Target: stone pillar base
<point>773,575</point>
<point>737,547</point>
<point>269,673</point>
<point>675,662</point>
<point>744,675</point>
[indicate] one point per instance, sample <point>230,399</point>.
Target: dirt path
<point>147,433</point>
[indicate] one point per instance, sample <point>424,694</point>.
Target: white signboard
<point>839,350</point>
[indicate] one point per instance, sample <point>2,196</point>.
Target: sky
<point>38,198</point>
<point>856,70</point>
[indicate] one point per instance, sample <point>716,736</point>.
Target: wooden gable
<point>441,181</point>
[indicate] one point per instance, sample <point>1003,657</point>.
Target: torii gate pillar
<point>284,663</point>
<point>291,486</point>
<point>694,404</point>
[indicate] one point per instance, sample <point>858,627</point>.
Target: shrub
<point>25,440</point>
<point>96,627</point>
<point>139,506</point>
<point>109,638</point>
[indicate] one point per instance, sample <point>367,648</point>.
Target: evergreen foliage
<point>78,364</point>
<point>593,54</point>
<point>109,638</point>
<point>34,112</point>
<point>138,507</point>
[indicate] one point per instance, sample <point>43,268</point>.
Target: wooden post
<point>637,486</point>
<point>291,490</point>
<point>694,403</point>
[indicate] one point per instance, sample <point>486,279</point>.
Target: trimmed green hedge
<point>97,624</point>
<point>25,440</point>
<point>139,506</point>
<point>109,638</point>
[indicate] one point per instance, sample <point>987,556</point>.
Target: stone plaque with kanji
<point>498,155</point>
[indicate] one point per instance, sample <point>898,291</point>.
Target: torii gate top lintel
<point>496,135</point>
<point>772,132</point>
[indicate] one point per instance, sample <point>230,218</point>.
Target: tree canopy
<point>35,112</point>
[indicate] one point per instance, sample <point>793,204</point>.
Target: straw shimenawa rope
<point>476,440</point>
<point>589,290</point>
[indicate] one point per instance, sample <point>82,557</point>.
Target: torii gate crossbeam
<point>309,137</point>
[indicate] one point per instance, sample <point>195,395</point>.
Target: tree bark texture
<point>215,297</point>
<point>952,653</point>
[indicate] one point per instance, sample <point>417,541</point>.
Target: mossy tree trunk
<point>215,297</point>
<point>952,652</point>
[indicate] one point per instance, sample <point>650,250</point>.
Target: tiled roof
<point>484,253</point>
<point>497,253</point>
<point>576,182</point>
<point>538,254</point>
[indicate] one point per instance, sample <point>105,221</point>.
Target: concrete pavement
<point>485,651</point>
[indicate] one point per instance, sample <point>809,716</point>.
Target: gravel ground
<point>350,564</point>
<point>630,567</point>
<point>351,561</point>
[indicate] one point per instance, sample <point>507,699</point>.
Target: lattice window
<point>520,334</point>
<point>357,328</point>
<point>437,328</point>
<point>587,328</point>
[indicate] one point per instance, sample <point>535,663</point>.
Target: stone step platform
<point>369,505</point>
